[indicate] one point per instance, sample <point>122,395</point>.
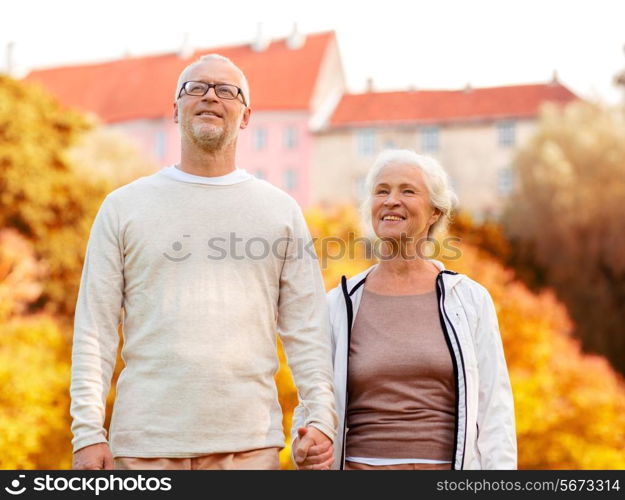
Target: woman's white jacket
<point>484,436</point>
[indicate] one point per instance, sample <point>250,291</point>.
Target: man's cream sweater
<point>206,276</point>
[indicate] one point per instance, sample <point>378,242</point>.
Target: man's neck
<point>207,163</point>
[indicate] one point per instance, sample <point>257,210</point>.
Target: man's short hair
<point>245,88</point>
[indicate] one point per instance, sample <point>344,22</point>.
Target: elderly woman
<point>419,369</point>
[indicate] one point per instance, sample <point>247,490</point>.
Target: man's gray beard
<point>212,141</point>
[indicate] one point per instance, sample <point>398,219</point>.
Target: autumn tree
<point>108,156</point>
<point>566,219</point>
<point>39,193</point>
<point>55,169</point>
<point>34,366</point>
<point>570,406</point>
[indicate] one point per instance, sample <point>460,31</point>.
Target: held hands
<point>93,457</point>
<point>313,450</point>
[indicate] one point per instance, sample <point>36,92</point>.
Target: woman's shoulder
<point>469,289</point>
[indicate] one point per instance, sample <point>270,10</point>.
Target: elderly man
<point>206,262</point>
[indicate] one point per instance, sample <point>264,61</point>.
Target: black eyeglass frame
<point>211,86</point>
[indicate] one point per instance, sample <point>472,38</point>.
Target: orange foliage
<point>570,406</point>
<point>34,367</point>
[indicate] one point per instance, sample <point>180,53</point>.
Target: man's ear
<point>246,117</point>
<point>175,111</point>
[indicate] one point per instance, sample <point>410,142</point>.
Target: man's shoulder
<point>135,188</point>
<point>273,194</point>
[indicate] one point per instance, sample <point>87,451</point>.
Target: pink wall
<point>160,140</point>
<point>274,159</point>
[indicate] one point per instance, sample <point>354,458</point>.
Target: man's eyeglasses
<point>222,90</point>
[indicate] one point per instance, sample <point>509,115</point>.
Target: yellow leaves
<point>19,274</point>
<point>34,398</point>
<point>42,198</point>
<point>339,243</point>
<point>287,395</point>
<point>110,156</point>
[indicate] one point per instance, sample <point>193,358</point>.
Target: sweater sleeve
<point>303,328</point>
<point>496,440</point>
<point>96,322</point>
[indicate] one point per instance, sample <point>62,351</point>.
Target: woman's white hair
<point>245,87</point>
<point>442,196</point>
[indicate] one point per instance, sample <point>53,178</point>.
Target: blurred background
<point>522,103</point>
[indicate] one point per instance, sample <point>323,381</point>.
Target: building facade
<point>473,133</point>
<point>306,135</point>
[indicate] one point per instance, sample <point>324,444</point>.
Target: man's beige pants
<point>263,459</point>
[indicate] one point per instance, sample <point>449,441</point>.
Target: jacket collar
<point>451,279</point>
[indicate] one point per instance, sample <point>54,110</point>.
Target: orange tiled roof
<point>143,87</point>
<point>430,106</point>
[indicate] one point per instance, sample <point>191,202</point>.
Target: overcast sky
<point>399,43</point>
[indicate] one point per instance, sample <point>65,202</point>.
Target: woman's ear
<point>437,214</point>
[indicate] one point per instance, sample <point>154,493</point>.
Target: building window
<point>430,139</point>
<point>506,136</point>
<point>260,174</point>
<point>260,138</point>
<point>289,138</point>
<point>365,142</point>
<point>159,144</point>
<point>505,181</point>
<point>290,179</point>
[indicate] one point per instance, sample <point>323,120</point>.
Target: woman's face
<point>401,203</point>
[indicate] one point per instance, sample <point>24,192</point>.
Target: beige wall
<point>468,151</point>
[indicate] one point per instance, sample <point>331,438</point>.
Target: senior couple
<point>402,366</point>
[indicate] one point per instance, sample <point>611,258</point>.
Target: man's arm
<point>97,318</point>
<point>303,328</point>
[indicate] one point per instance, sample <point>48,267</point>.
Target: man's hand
<point>93,457</point>
<point>313,450</point>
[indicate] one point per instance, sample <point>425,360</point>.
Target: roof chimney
<point>9,58</point>
<point>468,88</point>
<point>260,42</point>
<point>296,39</point>
<point>619,78</point>
<point>554,78</point>
<point>186,49</point>
<point>369,85</point>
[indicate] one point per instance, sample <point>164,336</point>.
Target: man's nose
<point>211,95</point>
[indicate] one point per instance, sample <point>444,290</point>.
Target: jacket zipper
<point>440,292</point>
<point>350,317</point>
